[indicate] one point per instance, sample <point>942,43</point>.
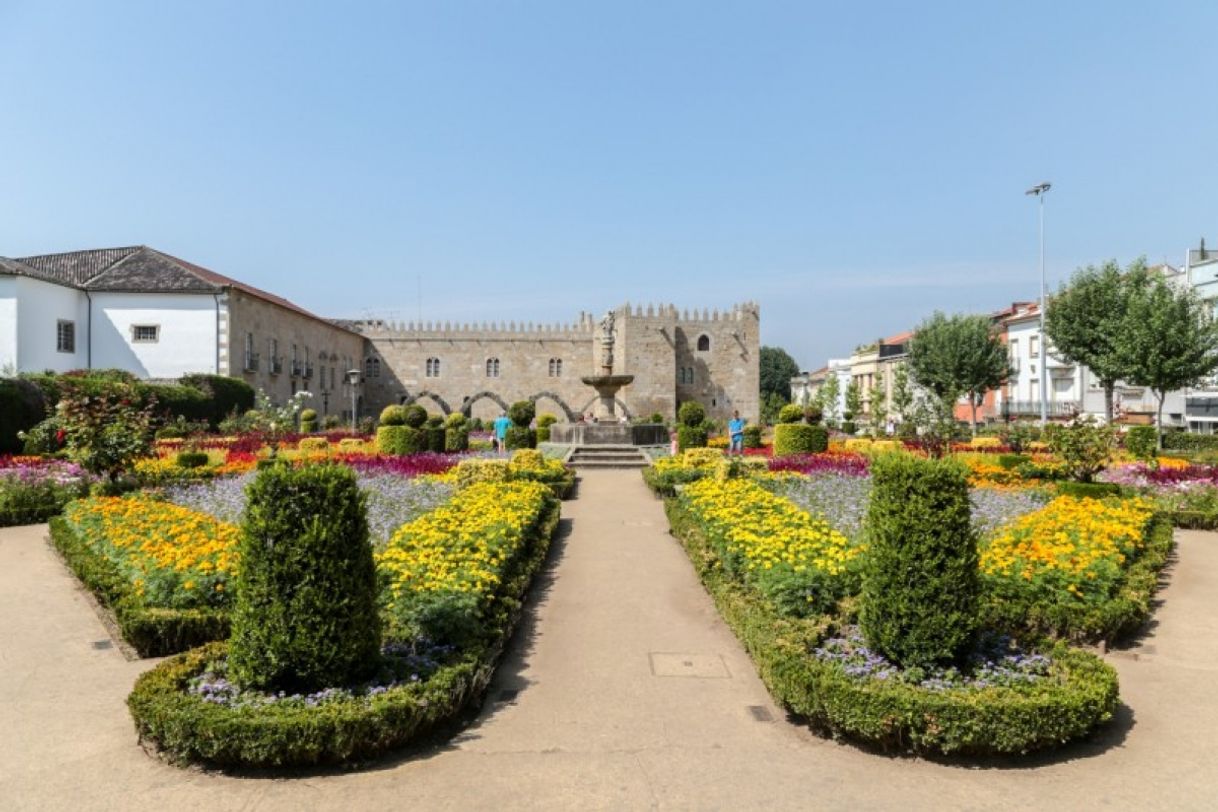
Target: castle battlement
<point>669,312</point>
<point>477,331</point>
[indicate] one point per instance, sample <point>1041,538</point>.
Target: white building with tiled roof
<point>161,317</point>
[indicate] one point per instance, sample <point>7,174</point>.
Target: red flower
<point>59,435</point>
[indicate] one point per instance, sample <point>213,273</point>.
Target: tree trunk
<point>1109,386</point>
<point>1159,420</point>
<point>972,402</point>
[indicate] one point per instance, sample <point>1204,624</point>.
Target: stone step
<point>617,455</point>
<point>606,464</point>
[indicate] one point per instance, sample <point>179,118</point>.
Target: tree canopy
<point>957,356</point>
<point>777,370</point>
<point>1086,320</point>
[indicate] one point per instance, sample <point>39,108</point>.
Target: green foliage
<point>545,420</point>
<point>456,420</point>
<point>813,414</point>
<point>435,438</point>
<point>152,632</point>
<point>854,401</point>
<point>771,404</point>
<point>456,439</point>
<point>1086,320</point>
<point>1083,446</point>
<point>414,415</point>
<point>1019,434</point>
<point>954,356</point>
<point>44,439</point>
<point>752,437</point>
<point>920,581</point>
<point>777,369</point>
<point>225,395</point>
<point>393,415</point>
<point>305,614</point>
<point>519,437</point>
<point>169,402</point>
<point>1142,442</point>
<point>1089,490</point>
<point>690,437</point>
<point>186,728</point>
<point>33,500</point>
<point>799,438</point>
<point>1169,339</point>
<point>1188,441</point>
<point>104,431</point>
<point>401,440</point>
<point>849,427</point>
<point>521,414</point>
<point>790,414</point>
<point>191,459</point>
<point>898,716</point>
<point>827,397</point>
<point>692,413</point>
<point>309,415</point>
<point>21,408</point>
<point>902,394</point>
<point>1011,462</point>
<point>656,417</point>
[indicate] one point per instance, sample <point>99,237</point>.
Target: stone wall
<point>650,344</point>
<point>323,353</point>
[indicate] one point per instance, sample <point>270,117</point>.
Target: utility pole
<point>1039,190</point>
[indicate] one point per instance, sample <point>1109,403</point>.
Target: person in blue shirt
<point>502,422</point>
<point>735,430</point>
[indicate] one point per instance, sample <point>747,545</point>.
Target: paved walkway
<point>623,690</point>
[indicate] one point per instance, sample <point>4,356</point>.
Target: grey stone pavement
<point>630,693</point>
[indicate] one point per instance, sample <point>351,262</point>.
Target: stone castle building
<point>480,369</point>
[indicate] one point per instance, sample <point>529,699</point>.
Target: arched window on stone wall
<point>372,367</point>
<point>555,367</point>
<point>433,367</point>
<point>703,343</point>
<point>492,367</point>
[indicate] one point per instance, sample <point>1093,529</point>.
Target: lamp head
<point>1039,189</point>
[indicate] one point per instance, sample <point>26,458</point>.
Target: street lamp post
<point>353,379</point>
<point>1039,190</point>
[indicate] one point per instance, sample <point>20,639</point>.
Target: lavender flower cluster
<point>994,508</point>
<point>995,662</point>
<point>393,500</point>
<point>403,665</point>
<point>840,498</point>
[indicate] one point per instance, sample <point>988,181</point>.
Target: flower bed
<point>33,490</point>
<point>218,726</point>
<point>1078,693</point>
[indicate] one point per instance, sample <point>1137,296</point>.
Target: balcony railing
<point>275,365</point>
<point>308,370</point>
<point>251,362</point>
<point>1031,408</point>
<point>297,369</point>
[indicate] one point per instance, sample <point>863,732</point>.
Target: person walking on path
<point>502,422</point>
<point>735,430</point>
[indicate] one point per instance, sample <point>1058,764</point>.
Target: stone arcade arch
<point>570,415</point>
<point>436,399</point>
<point>468,404</point>
<point>618,405</point>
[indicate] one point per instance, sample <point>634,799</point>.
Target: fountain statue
<point>607,384</point>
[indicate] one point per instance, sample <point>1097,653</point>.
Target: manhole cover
<point>102,644</point>
<point>702,666</point>
<point>761,713</point>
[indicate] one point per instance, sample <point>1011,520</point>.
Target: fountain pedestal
<point>608,430</point>
<point>606,387</point>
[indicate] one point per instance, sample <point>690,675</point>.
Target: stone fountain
<point>608,428</point>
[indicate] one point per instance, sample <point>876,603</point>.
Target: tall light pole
<point>1039,190</point>
<point>353,379</point>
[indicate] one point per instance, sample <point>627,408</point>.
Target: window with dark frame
<point>65,336</point>
<point>145,333</point>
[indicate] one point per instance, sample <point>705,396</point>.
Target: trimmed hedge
<point>896,716</point>
<point>1187,441</point>
<point>1090,490</point>
<point>151,631</point>
<point>456,439</point>
<point>225,395</point>
<point>752,437</point>
<point>1124,613</point>
<point>400,440</point>
<point>691,413</point>
<point>187,729</point>
<point>799,438</point>
<point>21,408</point>
<point>519,437</point>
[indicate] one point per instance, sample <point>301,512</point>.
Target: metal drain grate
<point>102,644</point>
<point>761,713</point>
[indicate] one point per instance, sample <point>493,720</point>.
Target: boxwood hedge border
<point>185,729</point>
<point>895,716</point>
<point>151,631</point>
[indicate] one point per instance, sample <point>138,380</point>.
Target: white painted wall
<point>187,340</point>
<point>40,306</point>
<point>8,324</point>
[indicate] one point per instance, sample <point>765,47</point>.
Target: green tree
<point>902,394</point>
<point>854,400</point>
<point>1169,340</point>
<point>958,356</point>
<point>777,370</point>
<point>827,397</point>
<point>1086,320</point>
<point>771,402</point>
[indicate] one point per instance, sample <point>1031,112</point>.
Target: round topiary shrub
<point>521,414</point>
<point>456,420</point>
<point>393,416</point>
<point>813,414</point>
<point>414,415</point>
<point>456,439</point>
<point>1142,442</point>
<point>392,439</point>
<point>305,614</point>
<point>790,413</point>
<point>692,413</point>
<point>544,421</point>
<point>752,437</point>
<point>848,427</point>
<point>921,586</point>
<point>434,421</point>
<point>308,415</point>
<point>314,445</point>
<point>520,437</point>
<point>691,436</point>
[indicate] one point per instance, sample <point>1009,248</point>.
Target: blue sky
<point>851,166</point>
